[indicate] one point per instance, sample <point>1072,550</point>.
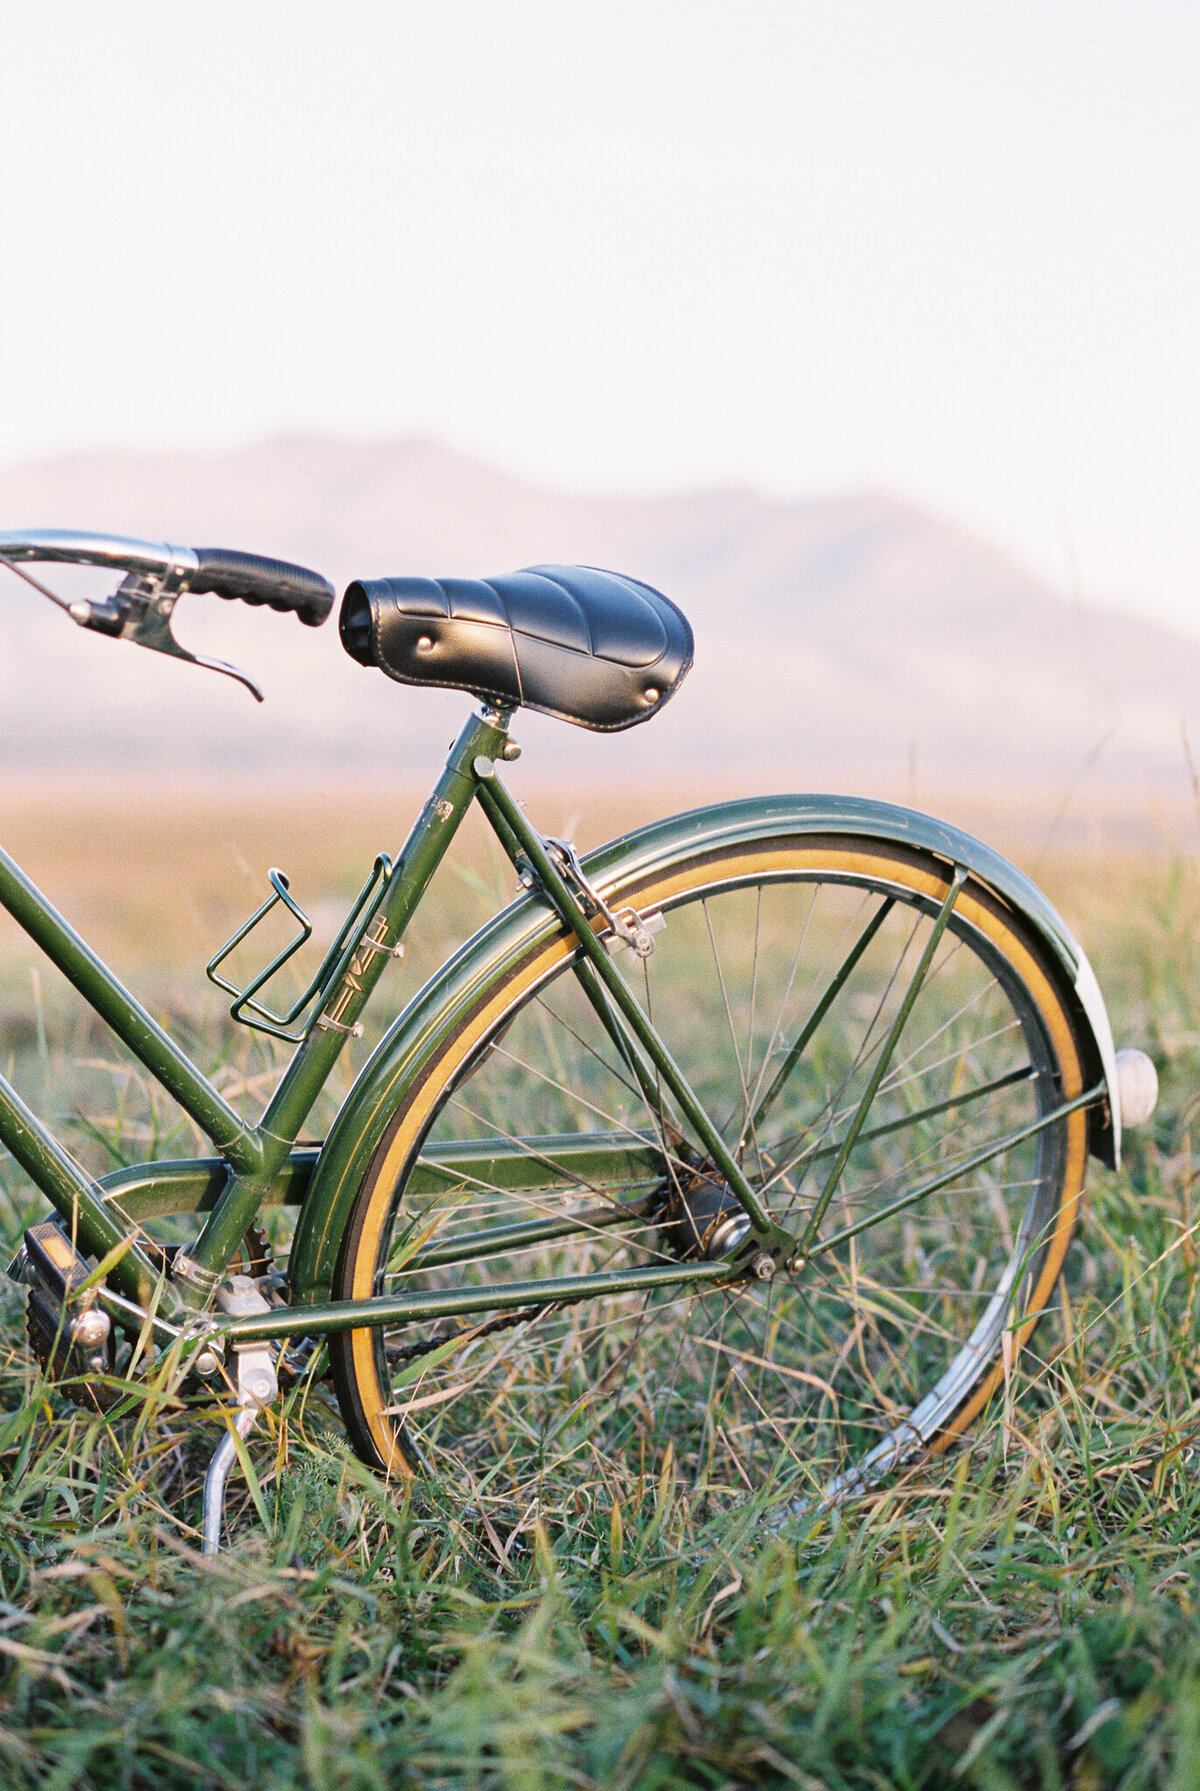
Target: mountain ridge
<point>837,638</point>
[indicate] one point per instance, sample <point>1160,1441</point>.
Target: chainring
<point>254,1255</point>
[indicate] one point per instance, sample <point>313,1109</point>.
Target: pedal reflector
<point>54,1260</point>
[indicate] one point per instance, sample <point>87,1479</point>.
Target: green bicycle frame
<point>257,1155</point>
<point>261,1165</point>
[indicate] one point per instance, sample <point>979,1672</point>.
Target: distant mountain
<point>838,642</point>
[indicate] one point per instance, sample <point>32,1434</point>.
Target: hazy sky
<point>946,249</point>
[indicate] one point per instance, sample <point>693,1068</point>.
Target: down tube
<point>95,1226</point>
<point>128,1018</point>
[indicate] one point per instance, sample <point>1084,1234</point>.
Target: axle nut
<point>763,1266</point>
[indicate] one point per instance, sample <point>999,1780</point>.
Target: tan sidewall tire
<point>356,1372</point>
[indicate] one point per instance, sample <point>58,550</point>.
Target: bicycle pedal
<point>75,1365</point>
<point>69,1333</point>
<point>53,1261</point>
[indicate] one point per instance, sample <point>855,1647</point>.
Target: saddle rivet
<point>652,695</point>
<point>425,644</point>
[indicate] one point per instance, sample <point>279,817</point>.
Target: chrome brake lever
<point>140,611</point>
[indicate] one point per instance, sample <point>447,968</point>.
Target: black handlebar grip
<point>253,579</point>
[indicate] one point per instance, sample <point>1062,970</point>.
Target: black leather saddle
<point>595,648</point>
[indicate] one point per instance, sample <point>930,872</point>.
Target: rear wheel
<point>775,984</point>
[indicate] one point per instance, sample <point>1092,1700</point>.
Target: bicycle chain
<point>412,1352</point>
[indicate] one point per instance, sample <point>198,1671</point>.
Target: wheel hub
<point>703,1218</point>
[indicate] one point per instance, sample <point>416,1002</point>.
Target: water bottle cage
<point>352,937</point>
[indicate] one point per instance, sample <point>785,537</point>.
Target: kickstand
<point>218,1474</point>
<point>257,1386</point>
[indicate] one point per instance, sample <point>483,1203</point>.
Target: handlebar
<point>253,579</point>
<point>247,577</point>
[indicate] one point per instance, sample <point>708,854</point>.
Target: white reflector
<point>1137,1086</point>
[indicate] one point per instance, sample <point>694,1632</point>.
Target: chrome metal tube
<point>218,1475</point>
<point>80,548</point>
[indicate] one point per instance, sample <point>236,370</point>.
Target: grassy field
<point>1022,1612</point>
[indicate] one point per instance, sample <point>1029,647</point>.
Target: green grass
<point>1022,1612</point>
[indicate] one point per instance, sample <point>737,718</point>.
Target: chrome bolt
<point>206,1364</point>
<point>260,1385</point>
<point>763,1266</point>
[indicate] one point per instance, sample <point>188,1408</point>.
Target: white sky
<point>949,249</point>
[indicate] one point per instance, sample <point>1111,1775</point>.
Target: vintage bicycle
<point>752,1142</point>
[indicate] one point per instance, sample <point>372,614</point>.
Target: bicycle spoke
<point>877,1074</point>
<point>836,985</point>
<point>951,1175</point>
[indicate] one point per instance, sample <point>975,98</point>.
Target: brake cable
<point>62,602</point>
